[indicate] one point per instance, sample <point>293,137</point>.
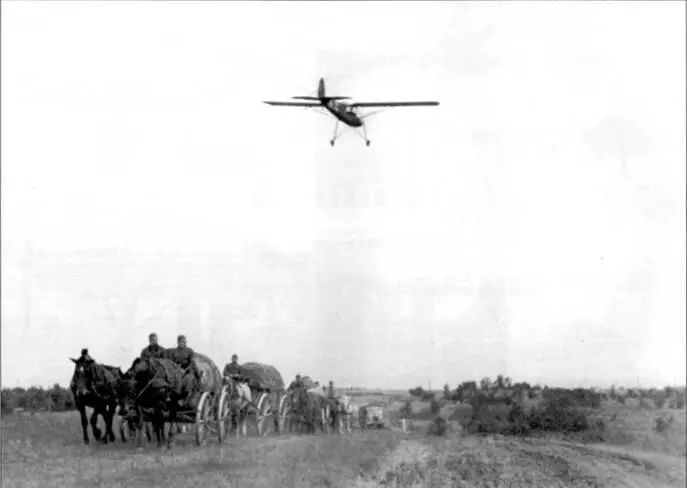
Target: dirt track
<point>510,462</point>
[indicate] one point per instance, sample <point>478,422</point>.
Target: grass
<point>45,450</point>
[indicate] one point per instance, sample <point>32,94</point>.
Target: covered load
<point>210,377</point>
<point>262,376</point>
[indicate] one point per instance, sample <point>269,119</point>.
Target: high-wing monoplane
<point>348,113</point>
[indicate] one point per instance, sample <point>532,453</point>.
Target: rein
<point>155,376</point>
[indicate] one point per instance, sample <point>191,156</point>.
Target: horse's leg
<point>158,424</point>
<point>149,431</point>
<point>94,423</point>
<point>84,421</point>
<point>140,426</point>
<point>172,423</point>
<point>109,420</point>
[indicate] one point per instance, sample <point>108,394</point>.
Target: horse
<point>346,411</point>
<point>95,385</point>
<point>158,385</point>
<point>241,400</point>
<point>306,410</point>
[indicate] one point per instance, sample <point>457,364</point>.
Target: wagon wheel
<point>223,414</point>
<point>264,415</point>
<point>203,416</point>
<point>284,413</point>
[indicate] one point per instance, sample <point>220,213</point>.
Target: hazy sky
<point>549,183</point>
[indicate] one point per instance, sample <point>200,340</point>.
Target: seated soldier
<point>184,356</point>
<point>153,350</point>
<point>233,369</point>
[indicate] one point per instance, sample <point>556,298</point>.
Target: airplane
<point>348,113</point>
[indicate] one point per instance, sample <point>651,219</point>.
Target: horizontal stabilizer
<point>318,99</point>
<point>395,104</point>
<point>293,104</point>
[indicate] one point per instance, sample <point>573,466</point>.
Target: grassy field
<point>45,450</point>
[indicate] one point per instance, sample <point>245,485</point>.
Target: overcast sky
<point>550,183</point>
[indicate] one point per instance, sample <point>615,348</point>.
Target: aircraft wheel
<point>331,142</point>
<point>367,142</point>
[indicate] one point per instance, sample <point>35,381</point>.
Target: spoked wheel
<point>203,418</point>
<point>223,415</point>
<point>284,413</point>
<point>264,415</point>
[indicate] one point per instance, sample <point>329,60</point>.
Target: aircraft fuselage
<point>343,113</point>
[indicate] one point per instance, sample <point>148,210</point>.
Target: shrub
<point>438,427</point>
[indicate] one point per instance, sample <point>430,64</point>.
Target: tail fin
<point>320,89</point>
<point>321,94</point>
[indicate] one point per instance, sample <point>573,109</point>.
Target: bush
<point>562,411</point>
<point>438,427</point>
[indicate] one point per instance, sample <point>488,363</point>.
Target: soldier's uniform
<point>183,356</point>
<point>85,357</point>
<point>153,351</point>
<point>233,370</point>
<point>297,383</point>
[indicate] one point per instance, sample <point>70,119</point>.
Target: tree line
<point>666,397</point>
<point>36,398</point>
<point>509,408</point>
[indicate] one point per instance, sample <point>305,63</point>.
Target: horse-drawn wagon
<point>158,381</point>
<point>257,395</point>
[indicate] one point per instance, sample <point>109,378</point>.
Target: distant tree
<point>416,392</point>
<point>484,383</point>
<point>448,394</point>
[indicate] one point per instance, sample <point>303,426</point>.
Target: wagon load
<point>262,377</point>
<point>210,377</point>
<point>266,388</point>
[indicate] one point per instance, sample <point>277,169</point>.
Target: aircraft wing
<point>294,104</point>
<point>394,104</point>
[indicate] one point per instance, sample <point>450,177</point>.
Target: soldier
<point>183,356</point>
<point>154,350</point>
<point>85,357</point>
<point>297,383</point>
<point>233,369</point>
<point>331,393</point>
<point>333,405</point>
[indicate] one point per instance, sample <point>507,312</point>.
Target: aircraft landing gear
<point>367,142</point>
<point>336,130</point>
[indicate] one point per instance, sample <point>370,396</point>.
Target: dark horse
<point>95,385</point>
<point>156,385</point>
<point>306,411</point>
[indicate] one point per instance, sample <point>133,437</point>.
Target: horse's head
<point>127,382</point>
<point>83,374</point>
<point>300,399</point>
